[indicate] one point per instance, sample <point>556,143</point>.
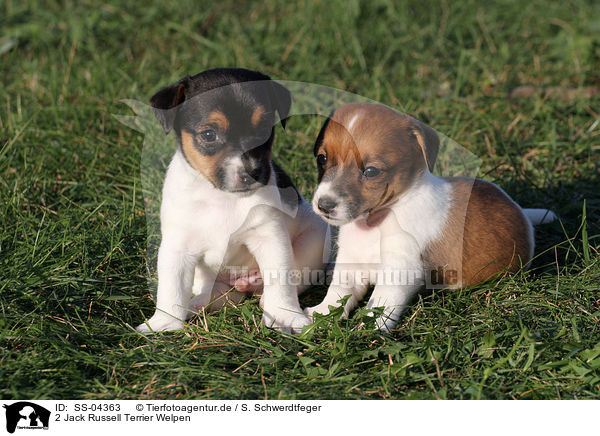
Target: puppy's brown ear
<point>428,141</point>
<point>321,134</point>
<point>165,101</point>
<point>281,100</point>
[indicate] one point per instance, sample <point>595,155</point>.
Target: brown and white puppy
<point>228,211</point>
<point>401,227</point>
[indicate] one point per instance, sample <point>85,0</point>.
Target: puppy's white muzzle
<point>329,206</point>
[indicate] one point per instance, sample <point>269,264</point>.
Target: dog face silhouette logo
<point>26,415</point>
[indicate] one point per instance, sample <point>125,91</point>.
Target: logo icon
<point>26,415</point>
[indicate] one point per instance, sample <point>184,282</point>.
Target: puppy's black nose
<point>248,177</point>
<point>326,204</point>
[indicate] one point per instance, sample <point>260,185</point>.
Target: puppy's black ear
<point>281,100</point>
<point>164,102</point>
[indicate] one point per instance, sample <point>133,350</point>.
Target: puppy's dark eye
<point>371,172</point>
<point>208,135</point>
<point>321,160</point>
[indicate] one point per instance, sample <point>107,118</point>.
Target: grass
<point>73,273</point>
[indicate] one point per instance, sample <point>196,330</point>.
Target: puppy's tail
<point>540,216</point>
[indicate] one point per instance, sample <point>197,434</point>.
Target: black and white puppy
<point>229,214</point>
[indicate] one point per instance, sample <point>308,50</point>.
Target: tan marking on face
<point>361,135</point>
<point>206,165</point>
<point>257,115</point>
<point>486,234</point>
<point>217,117</point>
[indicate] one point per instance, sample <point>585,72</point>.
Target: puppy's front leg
<point>175,277</point>
<point>400,275</point>
<point>394,300</point>
<point>271,247</point>
<point>345,281</point>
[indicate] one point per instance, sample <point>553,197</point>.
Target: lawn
<point>515,83</point>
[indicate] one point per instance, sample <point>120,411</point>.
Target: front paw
<point>286,321</point>
<point>385,324</point>
<point>322,309</point>
<point>160,322</point>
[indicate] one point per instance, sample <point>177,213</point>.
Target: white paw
<point>385,324</point>
<point>160,322</point>
<point>286,321</point>
<point>322,309</point>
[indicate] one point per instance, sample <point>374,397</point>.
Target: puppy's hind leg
<point>211,294</point>
<point>222,295</point>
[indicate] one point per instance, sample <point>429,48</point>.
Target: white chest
<point>210,231</point>
<point>415,220</point>
<point>358,245</point>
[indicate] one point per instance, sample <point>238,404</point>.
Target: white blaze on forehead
<point>353,120</point>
